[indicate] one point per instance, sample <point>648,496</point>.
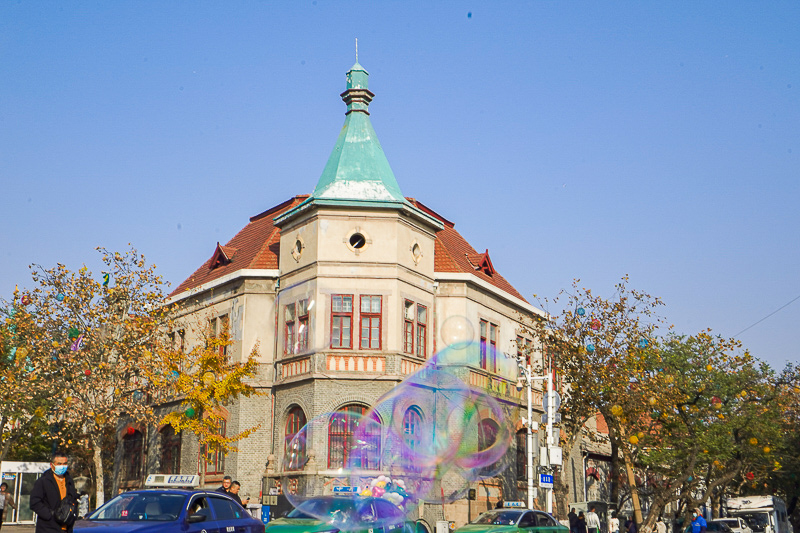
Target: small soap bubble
<point>457,332</point>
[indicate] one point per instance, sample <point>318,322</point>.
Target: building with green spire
<point>348,291</point>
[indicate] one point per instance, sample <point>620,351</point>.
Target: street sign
<point>556,418</point>
<point>546,481</point>
<point>345,490</point>
<point>556,403</point>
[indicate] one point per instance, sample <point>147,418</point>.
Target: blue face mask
<point>60,470</point>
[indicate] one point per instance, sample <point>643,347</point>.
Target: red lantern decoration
<point>595,324</point>
<point>750,476</point>
<point>130,430</point>
<point>87,372</point>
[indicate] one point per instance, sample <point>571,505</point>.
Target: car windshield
<point>717,526</point>
<point>730,523</point>
<point>498,518</point>
<point>141,506</point>
<point>346,510</point>
<point>757,521</point>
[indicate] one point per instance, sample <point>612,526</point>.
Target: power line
<point>769,315</point>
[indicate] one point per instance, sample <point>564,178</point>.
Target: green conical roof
<point>357,169</point>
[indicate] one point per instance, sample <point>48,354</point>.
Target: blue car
<point>167,510</point>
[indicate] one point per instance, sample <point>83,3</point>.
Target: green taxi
<point>513,520</point>
<point>351,515</point>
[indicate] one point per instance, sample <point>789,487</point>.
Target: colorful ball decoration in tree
<point>174,375</point>
<point>25,300</point>
<point>753,441</point>
<point>617,410</point>
<point>209,378</point>
<point>189,412</point>
<point>750,476</point>
<point>716,402</point>
<point>640,434</point>
<point>767,449</point>
<point>590,348</point>
<point>73,333</point>
<point>60,297</point>
<point>581,311</point>
<point>643,343</point>
<point>651,400</point>
<point>87,372</point>
<point>595,324</point>
<point>633,439</point>
<point>709,368</point>
<point>130,430</point>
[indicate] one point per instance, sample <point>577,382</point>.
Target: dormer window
<point>223,255</point>
<point>481,262</point>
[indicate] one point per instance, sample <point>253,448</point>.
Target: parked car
<point>346,513</point>
<point>170,511</point>
<point>718,526</point>
<point>513,520</point>
<point>736,523</point>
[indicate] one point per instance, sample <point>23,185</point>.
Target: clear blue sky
<point>573,139</point>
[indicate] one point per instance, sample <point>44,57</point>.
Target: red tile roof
<point>257,245</point>
<point>453,253</point>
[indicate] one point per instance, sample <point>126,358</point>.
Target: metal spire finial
<point>356,49</point>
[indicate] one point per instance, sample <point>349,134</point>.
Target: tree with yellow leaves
<point>202,390</point>
<point>98,346</point>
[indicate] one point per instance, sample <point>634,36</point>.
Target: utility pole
<point>526,379</point>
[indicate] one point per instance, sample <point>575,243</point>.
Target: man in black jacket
<point>48,491</point>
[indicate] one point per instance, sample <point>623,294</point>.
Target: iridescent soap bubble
<point>457,331</point>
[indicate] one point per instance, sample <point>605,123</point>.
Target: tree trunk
<point>637,508</point>
<point>100,493</point>
<point>614,474</point>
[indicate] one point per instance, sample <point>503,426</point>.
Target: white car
<point>736,523</point>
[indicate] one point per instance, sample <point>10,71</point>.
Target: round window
<point>357,240</point>
<point>416,250</point>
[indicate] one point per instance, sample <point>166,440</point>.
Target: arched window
<point>412,437</point>
<point>132,462</point>
<point>295,450</point>
<point>170,450</point>
<point>487,435</point>
<point>354,442</point>
<point>522,456</point>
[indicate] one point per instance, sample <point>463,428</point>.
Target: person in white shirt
<point>593,521</point>
<point>661,527</point>
<point>613,524</point>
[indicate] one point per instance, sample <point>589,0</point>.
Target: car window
<point>499,518</point>
<point>200,505</point>
<point>527,520</point>
<point>386,509</point>
<point>226,509</point>
<point>142,506</point>
<point>544,520</point>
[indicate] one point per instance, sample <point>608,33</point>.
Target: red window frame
<point>214,457</point>
<point>295,421</point>
<point>342,428</point>
<point>422,330</point>
<point>370,322</point>
<point>290,329</point>
<point>484,328</point>
<point>132,447</point>
<point>493,334</point>
<point>302,329</point>
<point>408,326</point>
<point>170,451</point>
<point>340,315</point>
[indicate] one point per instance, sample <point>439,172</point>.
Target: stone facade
<point>327,297</point>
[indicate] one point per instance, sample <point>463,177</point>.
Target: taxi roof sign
<point>514,504</point>
<point>172,480</point>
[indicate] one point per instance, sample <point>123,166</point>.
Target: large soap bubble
<point>427,440</point>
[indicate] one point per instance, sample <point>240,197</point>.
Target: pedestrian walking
<point>226,484</point>
<point>593,521</point>
<point>661,527</point>
<point>6,503</point>
<point>699,523</point>
<point>54,498</point>
<point>580,527</point>
<point>234,493</point>
<point>613,524</point>
<point>573,521</point>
